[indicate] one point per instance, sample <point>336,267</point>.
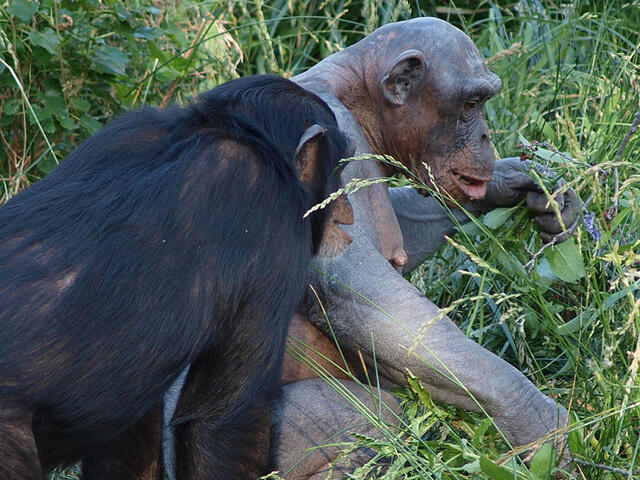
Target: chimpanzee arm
<point>372,308</point>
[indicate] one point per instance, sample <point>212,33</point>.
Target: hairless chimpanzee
<point>415,90</point>
<point>168,238</point>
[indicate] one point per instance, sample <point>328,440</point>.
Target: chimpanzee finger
<point>517,173</point>
<point>539,202</point>
<point>549,223</point>
<point>572,207</point>
<point>559,237</point>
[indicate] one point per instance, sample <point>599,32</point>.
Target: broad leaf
<point>496,217</point>
<point>542,462</point>
<point>494,471</point>
<point>147,33</point>
<point>478,436</point>
<point>22,9</point>
<point>545,271</point>
<point>46,39</point>
<point>110,60</point>
<point>566,261</point>
<point>91,125</point>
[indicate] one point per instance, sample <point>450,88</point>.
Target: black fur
<point>169,237</point>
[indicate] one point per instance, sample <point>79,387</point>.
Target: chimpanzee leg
<point>18,452</point>
<point>313,414</point>
<point>205,446</point>
<point>223,418</point>
<point>134,455</point>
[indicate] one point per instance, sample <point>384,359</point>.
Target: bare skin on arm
<point>414,90</point>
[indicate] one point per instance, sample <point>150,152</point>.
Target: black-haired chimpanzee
<point>170,237</point>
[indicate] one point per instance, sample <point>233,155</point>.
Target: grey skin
<point>396,230</point>
<point>414,90</point>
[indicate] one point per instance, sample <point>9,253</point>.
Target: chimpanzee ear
<point>405,75</point>
<point>307,152</point>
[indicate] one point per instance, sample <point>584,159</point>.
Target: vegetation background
<point>567,315</point>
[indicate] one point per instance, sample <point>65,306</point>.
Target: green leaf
<point>177,35</point>
<point>494,471</point>
<point>45,118</point>
<point>566,261</point>
<point>22,9</point>
<point>418,389</point>
<point>91,125</point>
<point>11,106</point>
<point>470,229</point>
<point>54,101</point>
<point>472,467</point>
<point>478,436</point>
<point>80,104</point>
<point>157,52</point>
<point>47,164</point>
<point>498,216</point>
<point>153,10</point>
<point>542,462</point>
<point>545,271</point>
<point>576,438</point>
<point>64,119</point>
<point>110,60</point>
<point>123,13</point>
<point>46,39</point>
<point>572,326</point>
<point>147,33</point>
<point>510,264</point>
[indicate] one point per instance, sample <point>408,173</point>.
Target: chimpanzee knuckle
<point>550,223</point>
<point>572,205</point>
<point>507,168</point>
<point>570,216</point>
<point>513,162</point>
<point>559,199</point>
<point>503,194</point>
<point>538,202</point>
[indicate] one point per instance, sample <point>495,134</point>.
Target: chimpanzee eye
<point>469,109</point>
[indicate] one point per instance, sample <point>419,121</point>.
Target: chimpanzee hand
<point>512,182</point>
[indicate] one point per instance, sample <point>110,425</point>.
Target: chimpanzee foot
<point>314,413</point>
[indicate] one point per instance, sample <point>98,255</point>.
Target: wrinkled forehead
<point>454,64</point>
<point>459,70</point>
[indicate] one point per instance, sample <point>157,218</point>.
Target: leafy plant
<point>568,315</point>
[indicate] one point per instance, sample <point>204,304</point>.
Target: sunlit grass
<point>571,79</point>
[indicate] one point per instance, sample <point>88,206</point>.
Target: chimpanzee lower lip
<point>472,186</point>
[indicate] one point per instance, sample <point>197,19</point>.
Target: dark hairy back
<point>113,266</point>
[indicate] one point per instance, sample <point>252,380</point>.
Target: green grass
<point>571,79</point>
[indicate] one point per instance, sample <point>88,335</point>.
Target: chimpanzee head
<point>428,84</point>
<point>301,127</point>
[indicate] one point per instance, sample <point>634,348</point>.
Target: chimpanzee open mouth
<point>474,187</point>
